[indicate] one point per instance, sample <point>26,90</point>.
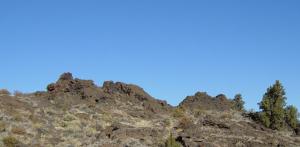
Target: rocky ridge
<point>75,112</point>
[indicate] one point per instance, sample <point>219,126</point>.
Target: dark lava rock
<point>118,87</point>
<point>66,84</point>
<point>205,102</point>
<point>134,94</point>
<point>66,77</point>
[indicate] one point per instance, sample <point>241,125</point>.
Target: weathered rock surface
<point>75,112</point>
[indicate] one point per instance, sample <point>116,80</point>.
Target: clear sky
<point>170,48</point>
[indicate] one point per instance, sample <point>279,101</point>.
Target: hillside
<point>74,112</point>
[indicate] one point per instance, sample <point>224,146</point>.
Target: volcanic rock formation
<point>75,112</point>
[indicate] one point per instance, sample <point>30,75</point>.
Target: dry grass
<point>167,122</point>
<point>18,117</point>
<point>226,115</point>
<point>2,126</point>
<point>69,117</point>
<point>199,112</point>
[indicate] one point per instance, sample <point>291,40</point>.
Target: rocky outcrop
<point>66,84</point>
<point>202,101</point>
<point>135,95</point>
<point>117,94</point>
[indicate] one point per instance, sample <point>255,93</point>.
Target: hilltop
<point>76,112</point>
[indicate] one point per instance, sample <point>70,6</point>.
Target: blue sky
<point>170,48</point>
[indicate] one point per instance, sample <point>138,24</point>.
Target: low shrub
<point>10,141</point>
<point>171,142</point>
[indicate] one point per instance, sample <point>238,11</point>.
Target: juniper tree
<point>238,103</point>
<point>272,105</point>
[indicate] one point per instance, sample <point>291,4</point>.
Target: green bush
<point>265,119</point>
<point>171,142</point>
<point>10,141</point>
<point>291,116</point>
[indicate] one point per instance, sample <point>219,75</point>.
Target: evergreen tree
<point>291,116</point>
<point>272,105</point>
<point>238,103</point>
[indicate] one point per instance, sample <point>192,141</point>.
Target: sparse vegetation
<point>185,122</point>
<point>179,112</point>
<point>10,141</point>
<point>171,142</point>
<point>226,115</point>
<point>199,112</point>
